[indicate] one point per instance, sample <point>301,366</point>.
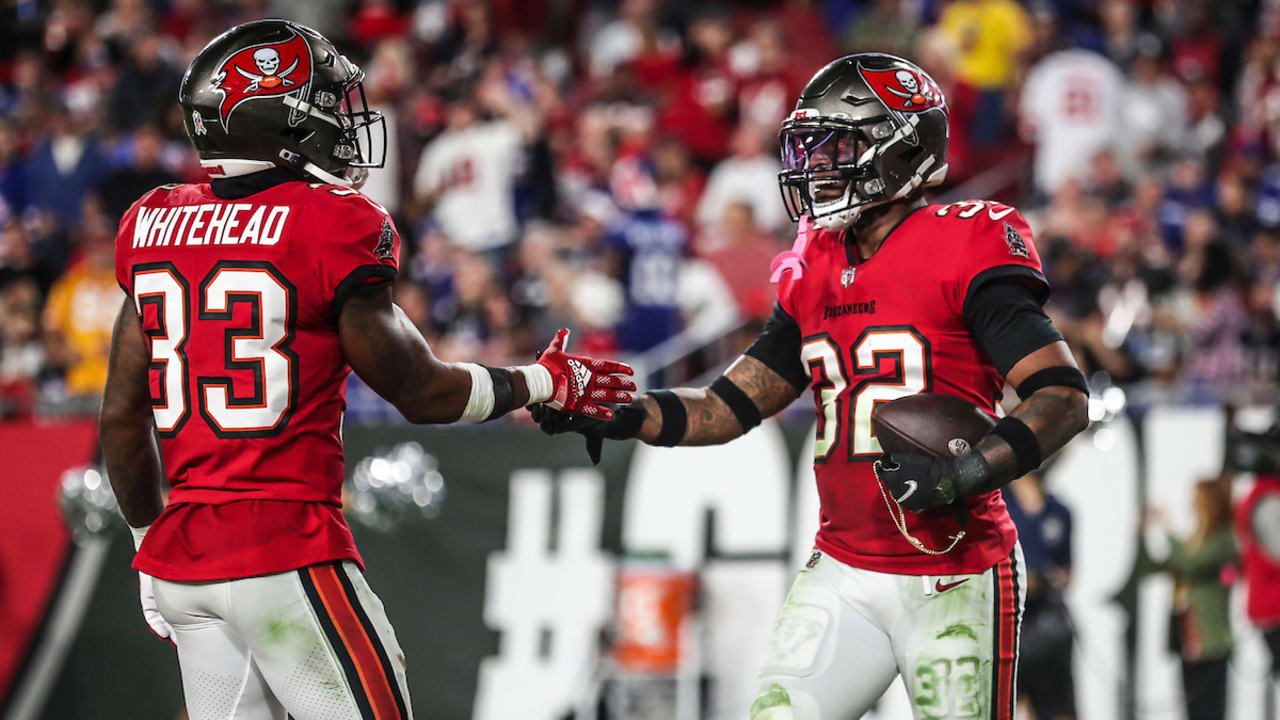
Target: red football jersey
<point>892,326</point>
<point>237,298</point>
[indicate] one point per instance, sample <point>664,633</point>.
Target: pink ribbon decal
<point>792,259</point>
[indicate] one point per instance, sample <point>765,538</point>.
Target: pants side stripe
<point>372,633</point>
<point>336,644</point>
<point>357,641</point>
<point>1016,598</point>
<point>996,704</point>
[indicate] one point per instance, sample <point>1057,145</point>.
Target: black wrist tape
<point>1025,444</point>
<point>504,392</point>
<point>675,419</point>
<point>972,475</point>
<point>1063,375</point>
<point>743,408</point>
<point>627,421</point>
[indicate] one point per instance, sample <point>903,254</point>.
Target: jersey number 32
<point>832,372</point>
<point>257,348</point>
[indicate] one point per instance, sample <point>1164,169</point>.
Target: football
<point>941,425</point>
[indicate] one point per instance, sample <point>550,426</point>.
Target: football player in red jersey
<point>916,569</point>
<point>250,300</point>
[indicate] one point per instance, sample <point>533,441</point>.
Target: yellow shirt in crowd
<point>82,308</point>
<point>990,35</point>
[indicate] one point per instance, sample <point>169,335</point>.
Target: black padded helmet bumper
<point>893,105</point>
<point>279,92</point>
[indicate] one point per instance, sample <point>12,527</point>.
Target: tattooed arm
<point>711,422</point>
<point>1055,414</point>
<point>1050,416</point>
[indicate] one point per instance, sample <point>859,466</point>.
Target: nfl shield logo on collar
<point>846,277</point>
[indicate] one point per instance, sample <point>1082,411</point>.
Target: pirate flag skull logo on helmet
<point>263,71</point>
<point>903,90</point>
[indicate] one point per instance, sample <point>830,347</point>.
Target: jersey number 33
<point>254,391</point>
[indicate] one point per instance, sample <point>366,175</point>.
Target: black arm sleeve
<point>1006,320</point>
<point>778,347</point>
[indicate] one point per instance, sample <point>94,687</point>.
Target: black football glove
<point>626,423</point>
<point>923,482</point>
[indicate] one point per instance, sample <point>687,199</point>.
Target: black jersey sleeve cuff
<point>778,347</point>
<point>1029,276</point>
<point>363,276</point>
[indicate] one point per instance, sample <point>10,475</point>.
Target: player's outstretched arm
<point>391,356</point>
<point>125,424</point>
<point>736,402</point>
<point>768,377</point>
<point>709,418</point>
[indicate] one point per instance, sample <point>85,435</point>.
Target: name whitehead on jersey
<point>210,224</point>
<point>831,312</point>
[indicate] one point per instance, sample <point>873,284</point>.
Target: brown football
<point>941,425</point>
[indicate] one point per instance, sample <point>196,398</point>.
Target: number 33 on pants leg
<point>845,633</point>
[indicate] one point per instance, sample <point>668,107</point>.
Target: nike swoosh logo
<point>999,215</point>
<point>911,490</point>
<point>939,587</point>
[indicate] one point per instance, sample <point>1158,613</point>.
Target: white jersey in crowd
<point>1071,104</point>
<point>750,180</point>
<point>472,174</point>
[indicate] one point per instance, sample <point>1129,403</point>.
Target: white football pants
<point>845,633</point>
<point>314,643</point>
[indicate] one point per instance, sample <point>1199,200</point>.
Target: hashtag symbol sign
<point>532,592</point>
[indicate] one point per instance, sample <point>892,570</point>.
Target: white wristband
<point>538,379</point>
<point>138,534</point>
<point>480,403</point>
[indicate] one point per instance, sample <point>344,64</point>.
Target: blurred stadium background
<point>540,147</point>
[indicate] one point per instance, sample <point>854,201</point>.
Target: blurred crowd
<point>610,166</point>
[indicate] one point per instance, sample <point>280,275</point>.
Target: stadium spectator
<point>1046,680</point>
<point>467,173</point>
<point>1155,108</point>
<point>13,182</point>
<point>1258,527</point>
<point>144,172</point>
<point>82,307</point>
<point>741,251</point>
<point>768,80</point>
<point>748,175</point>
<point>1200,623</point>
<point>21,354</point>
<point>64,168</point>
<point>698,111</point>
<point>992,36</point>
<point>890,26</point>
<point>1070,107</point>
<point>146,87</point>
<point>644,251</point>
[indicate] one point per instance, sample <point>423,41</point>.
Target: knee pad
<point>798,639</point>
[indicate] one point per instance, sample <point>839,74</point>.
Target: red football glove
<point>581,384</point>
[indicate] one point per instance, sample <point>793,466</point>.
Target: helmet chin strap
<point>231,167</point>
<point>325,175</point>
